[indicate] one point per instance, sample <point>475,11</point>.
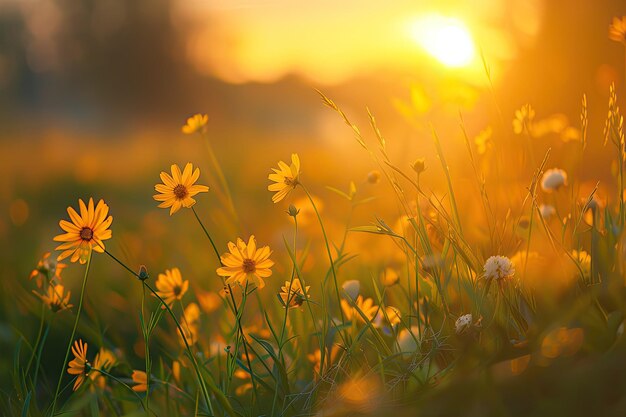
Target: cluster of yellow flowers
<point>243,264</point>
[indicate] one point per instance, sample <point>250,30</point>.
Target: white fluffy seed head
<point>498,267</point>
<point>553,179</point>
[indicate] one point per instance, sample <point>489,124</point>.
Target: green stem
<point>220,396</point>
<point>39,333</point>
<point>206,232</point>
<point>69,345</point>
<point>125,385</point>
<point>222,178</point>
<point>146,345</point>
<point>330,256</point>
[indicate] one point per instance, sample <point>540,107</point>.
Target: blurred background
<point>93,95</point>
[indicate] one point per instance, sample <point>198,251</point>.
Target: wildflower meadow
<point>424,262</point>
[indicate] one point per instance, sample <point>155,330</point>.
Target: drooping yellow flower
<point>85,232</point>
<point>79,365</point>
<point>293,294</point>
<point>196,123</point>
<point>105,360</point>
<point>56,298</point>
<point>171,286</point>
<point>245,263</point>
<point>523,122</point>
<point>140,378</point>
<point>178,189</point>
<point>47,269</point>
<point>285,178</point>
<point>190,324</point>
<point>617,30</point>
<point>367,307</point>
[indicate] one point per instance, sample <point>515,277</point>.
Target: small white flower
<point>553,179</point>
<point>463,323</point>
<point>498,267</point>
<point>547,211</point>
<point>352,288</point>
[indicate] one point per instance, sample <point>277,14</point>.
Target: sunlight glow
<point>446,39</point>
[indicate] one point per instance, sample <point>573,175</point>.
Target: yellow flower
<point>171,286</point>
<point>209,301</point>
<point>245,263</point>
<point>293,294</point>
<point>105,360</point>
<point>391,315</point>
<point>617,30</point>
<point>389,277</point>
<point>285,178</point>
<point>79,365</point>
<point>523,122</point>
<point>196,123</point>
<point>85,232</point>
<point>56,298</point>
<point>190,321</point>
<point>329,358</point>
<point>367,307</point>
<point>47,269</point>
<point>178,189</point>
<point>140,378</point>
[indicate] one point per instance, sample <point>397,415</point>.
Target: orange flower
<point>367,307</point>
<point>85,232</point>
<point>56,298</point>
<point>140,378</point>
<point>285,178</point>
<point>245,263</point>
<point>171,286</point>
<point>196,123</point>
<point>178,189</point>
<point>48,269</point>
<point>105,360</point>
<point>617,30</point>
<point>293,294</point>
<point>79,365</point>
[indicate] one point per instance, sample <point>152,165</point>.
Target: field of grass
<point>485,278</point>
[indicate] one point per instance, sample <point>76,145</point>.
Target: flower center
<point>180,191</point>
<point>86,234</point>
<point>292,182</point>
<point>177,290</point>
<point>249,266</point>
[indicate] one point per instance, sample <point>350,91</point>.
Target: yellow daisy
<point>56,298</point>
<point>171,286</point>
<point>367,307</point>
<point>293,293</point>
<point>140,378</point>
<point>79,365</point>
<point>47,269</point>
<point>196,123</point>
<point>285,178</point>
<point>617,30</point>
<point>105,360</point>
<point>245,263</point>
<point>85,232</point>
<point>178,189</point>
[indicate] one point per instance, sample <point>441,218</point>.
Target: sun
<point>445,38</point>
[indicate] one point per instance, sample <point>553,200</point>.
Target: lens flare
<point>445,38</point>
